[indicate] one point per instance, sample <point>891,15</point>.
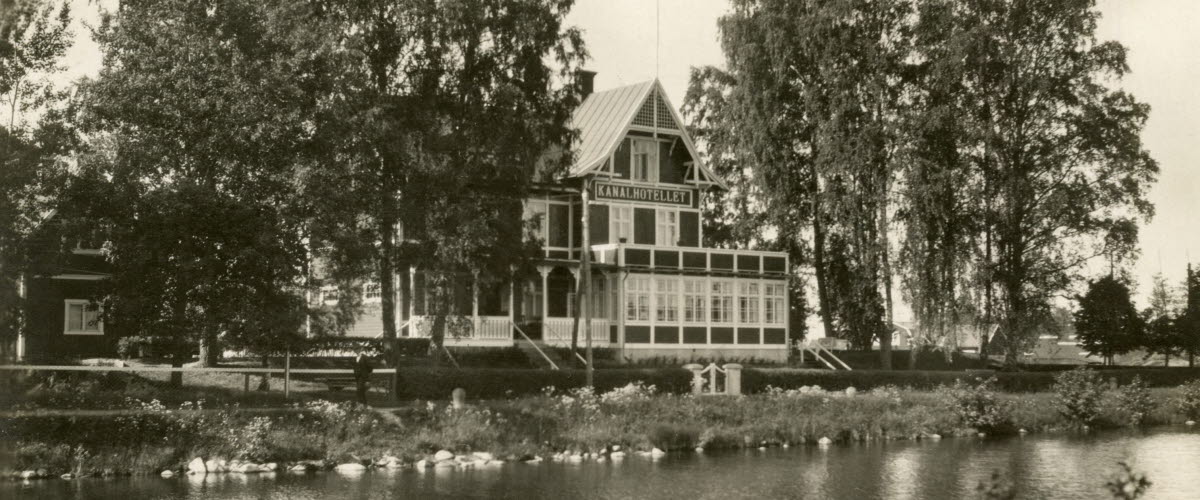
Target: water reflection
<point>1042,467</point>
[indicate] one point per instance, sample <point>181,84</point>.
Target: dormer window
<point>645,164</point>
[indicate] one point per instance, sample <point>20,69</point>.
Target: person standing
<point>362,375</point>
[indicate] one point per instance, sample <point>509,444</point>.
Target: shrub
<point>978,407</point>
<point>1078,395</point>
<point>1134,402</point>
<point>251,441</point>
<point>1189,400</point>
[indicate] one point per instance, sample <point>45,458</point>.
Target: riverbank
<point>575,425</point>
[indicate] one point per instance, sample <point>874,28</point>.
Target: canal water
<point>1042,467</point>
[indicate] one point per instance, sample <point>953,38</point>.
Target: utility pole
<point>586,265</point>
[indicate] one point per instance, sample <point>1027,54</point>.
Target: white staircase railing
<point>553,365</point>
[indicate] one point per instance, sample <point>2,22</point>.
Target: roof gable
<point>605,118</point>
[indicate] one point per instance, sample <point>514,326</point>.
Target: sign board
<point>647,194</point>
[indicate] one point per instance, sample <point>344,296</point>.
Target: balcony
<point>713,260</point>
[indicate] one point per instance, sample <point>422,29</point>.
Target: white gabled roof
<point>604,118</point>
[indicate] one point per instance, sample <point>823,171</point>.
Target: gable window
<point>82,318</point>
<point>621,222</point>
<point>372,292</point>
<point>667,233</point>
<point>645,160</point>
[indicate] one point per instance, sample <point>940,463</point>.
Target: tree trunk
<point>180,357</point>
<point>1191,360</point>
<point>209,351</point>
<point>885,337</point>
<point>265,384</point>
<point>1166,360</point>
<point>913,353</point>
<point>819,260</point>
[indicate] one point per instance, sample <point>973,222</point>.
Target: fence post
<point>733,379</point>
<point>697,378</point>
<point>287,374</point>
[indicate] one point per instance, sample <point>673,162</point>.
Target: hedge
<point>498,383</point>
<point>492,383</point>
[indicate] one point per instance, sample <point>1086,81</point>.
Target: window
<point>645,166</point>
<point>694,297</point>
<point>329,295</point>
<point>621,222</point>
<point>637,299</point>
<point>773,303</point>
<point>371,292</point>
<point>748,299</point>
<point>570,304</point>
<point>667,233</point>
<point>722,301</point>
<point>666,303</point>
<point>82,318</point>
<point>531,299</point>
<point>536,220</point>
<point>598,297</point>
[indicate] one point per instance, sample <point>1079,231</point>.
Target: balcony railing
<point>484,330</point>
<point>557,331</point>
<point>691,258</point>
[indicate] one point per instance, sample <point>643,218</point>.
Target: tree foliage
<point>1107,323</point>
<point>454,107</point>
<point>199,122</point>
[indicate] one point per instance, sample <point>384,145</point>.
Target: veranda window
<point>695,296</point>
<point>667,233</point>
<point>773,303</point>
<point>722,301</point>
<point>637,299</point>
<point>621,222</point>
<point>748,298</point>
<point>667,301</point>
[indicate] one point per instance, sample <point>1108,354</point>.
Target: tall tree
<point>1189,320</point>
<point>1106,323</point>
<point>200,120</point>
<point>450,110</point>
<point>812,107</point>
<point>34,36</point>
<point>1056,145</point>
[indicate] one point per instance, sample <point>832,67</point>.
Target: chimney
<point>587,83</point>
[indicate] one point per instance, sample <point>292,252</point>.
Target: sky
<point>629,42</point>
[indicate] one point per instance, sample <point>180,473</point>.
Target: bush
<point>1079,394</point>
<point>1134,402</point>
<point>979,407</point>
<point>494,383</point>
<point>1189,400</point>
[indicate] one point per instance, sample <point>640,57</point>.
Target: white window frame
<point>695,301</point>
<point>666,227</point>
<point>749,302</point>
<point>539,211</point>
<point>648,149</point>
<point>666,300</point>
<point>620,222</point>
<point>86,327</point>
<point>721,303</point>
<point>774,301</point>
<point>329,295</point>
<point>368,288</point>
<point>637,299</point>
